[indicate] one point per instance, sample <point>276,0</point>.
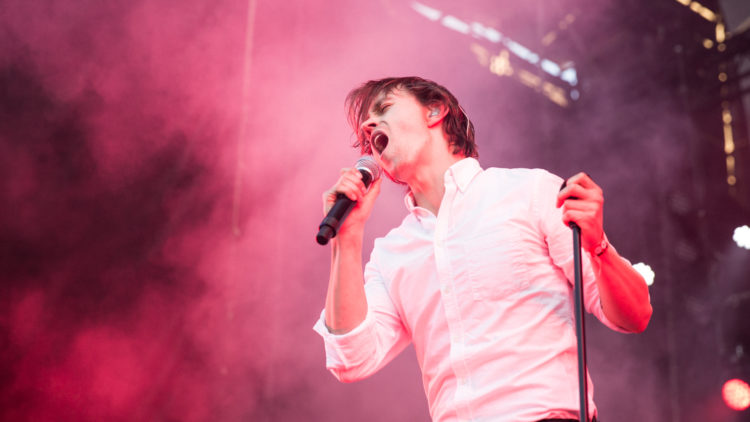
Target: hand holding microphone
<point>349,195</point>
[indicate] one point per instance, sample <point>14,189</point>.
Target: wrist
<point>602,247</point>
<point>350,237</point>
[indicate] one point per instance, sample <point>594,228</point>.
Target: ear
<point>435,114</point>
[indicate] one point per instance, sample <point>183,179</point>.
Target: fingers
<point>580,187</point>
<point>349,184</point>
<point>582,202</point>
<point>591,227</point>
<point>351,189</point>
<point>570,216</point>
<point>373,193</point>
<point>573,205</point>
<point>582,179</point>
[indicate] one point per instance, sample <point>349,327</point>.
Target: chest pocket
<point>498,262</point>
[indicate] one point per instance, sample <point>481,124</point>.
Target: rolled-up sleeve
<point>373,343</point>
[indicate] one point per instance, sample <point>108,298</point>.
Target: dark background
<point>161,166</point>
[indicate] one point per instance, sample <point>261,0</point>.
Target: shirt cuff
<point>349,349</point>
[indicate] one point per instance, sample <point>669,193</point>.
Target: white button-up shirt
<point>484,291</point>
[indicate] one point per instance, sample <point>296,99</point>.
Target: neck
<point>427,184</point>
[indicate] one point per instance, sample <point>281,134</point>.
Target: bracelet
<point>602,246</point>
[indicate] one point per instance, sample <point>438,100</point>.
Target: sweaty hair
<point>456,124</point>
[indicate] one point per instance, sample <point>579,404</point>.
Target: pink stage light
<point>736,394</point>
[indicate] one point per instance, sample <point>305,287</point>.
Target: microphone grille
<point>367,163</point>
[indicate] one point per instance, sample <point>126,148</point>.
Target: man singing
<point>479,273</point>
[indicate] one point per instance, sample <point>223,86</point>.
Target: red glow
<point>736,394</point>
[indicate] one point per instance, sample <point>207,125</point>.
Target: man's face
<point>398,133</point>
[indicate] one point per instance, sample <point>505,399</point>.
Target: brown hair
<point>456,124</point>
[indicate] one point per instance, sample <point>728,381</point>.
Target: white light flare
<point>550,67</point>
<point>456,24</point>
<point>481,31</point>
<point>521,51</point>
<point>742,237</point>
<point>426,11</point>
<point>646,272</point>
<point>570,76</point>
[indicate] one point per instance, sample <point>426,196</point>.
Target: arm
<point>346,304</point>
<point>361,328</point>
<point>623,292</point>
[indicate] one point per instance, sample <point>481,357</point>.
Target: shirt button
<point>446,289</point>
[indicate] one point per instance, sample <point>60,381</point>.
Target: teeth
<point>379,141</point>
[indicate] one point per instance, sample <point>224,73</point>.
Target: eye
<point>383,108</point>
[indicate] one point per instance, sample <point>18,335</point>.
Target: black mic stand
<point>583,395</point>
<point>580,325</point>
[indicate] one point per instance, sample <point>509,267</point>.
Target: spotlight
<point>742,237</point>
<point>736,394</point>
<point>645,271</point>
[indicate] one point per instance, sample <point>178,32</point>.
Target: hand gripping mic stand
<point>580,325</point>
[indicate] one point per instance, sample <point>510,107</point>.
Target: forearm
<point>346,304</point>
<point>622,291</point>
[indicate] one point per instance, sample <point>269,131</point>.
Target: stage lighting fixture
<point>700,9</point>
<point>742,237</point>
<point>721,34</point>
<point>555,94</point>
<point>736,394</point>
<point>566,73</point>
<point>646,272</point>
<point>500,65</point>
<point>726,117</point>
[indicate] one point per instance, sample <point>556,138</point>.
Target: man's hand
<point>582,202</point>
<point>350,184</point>
<point>622,291</point>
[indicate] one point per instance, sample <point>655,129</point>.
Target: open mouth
<point>379,141</point>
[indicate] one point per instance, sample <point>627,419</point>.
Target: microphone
<point>330,224</point>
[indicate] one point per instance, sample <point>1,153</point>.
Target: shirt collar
<point>461,173</point>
